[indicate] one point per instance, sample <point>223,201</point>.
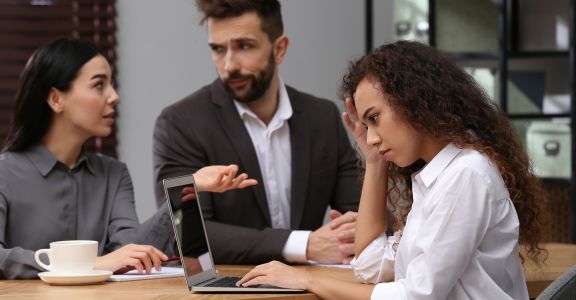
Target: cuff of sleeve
<point>161,234</point>
<point>295,248</point>
<point>389,290</point>
<point>375,263</point>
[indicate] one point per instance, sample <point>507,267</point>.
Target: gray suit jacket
<point>206,129</point>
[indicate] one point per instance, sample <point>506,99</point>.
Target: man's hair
<point>267,10</point>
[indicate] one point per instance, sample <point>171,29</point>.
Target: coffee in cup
<point>70,257</point>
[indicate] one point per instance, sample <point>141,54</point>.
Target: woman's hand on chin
<point>358,131</point>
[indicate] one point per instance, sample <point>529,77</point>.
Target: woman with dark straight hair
<point>52,189</point>
<point>51,67</point>
<point>444,163</point>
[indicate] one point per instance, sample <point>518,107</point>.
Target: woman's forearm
<point>331,288</point>
<point>372,218</point>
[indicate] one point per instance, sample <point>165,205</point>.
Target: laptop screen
<point>192,244</point>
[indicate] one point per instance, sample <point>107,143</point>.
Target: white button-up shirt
<point>460,240</point>
<point>273,150</point>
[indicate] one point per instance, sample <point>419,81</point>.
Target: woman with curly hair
<point>445,164</point>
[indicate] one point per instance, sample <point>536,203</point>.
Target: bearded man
<point>293,143</point>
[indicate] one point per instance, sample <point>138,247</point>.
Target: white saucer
<point>93,277</point>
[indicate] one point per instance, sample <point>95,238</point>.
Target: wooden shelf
<point>539,54</point>
<point>556,182</point>
<point>510,57</point>
<point>472,55</point>
<point>516,116</point>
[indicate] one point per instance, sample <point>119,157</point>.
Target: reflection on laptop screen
<point>194,251</point>
<point>193,244</point>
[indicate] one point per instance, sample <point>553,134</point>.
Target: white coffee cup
<point>70,257</point>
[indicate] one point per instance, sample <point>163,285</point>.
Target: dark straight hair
<point>54,65</point>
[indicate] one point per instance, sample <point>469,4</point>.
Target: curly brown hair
<point>441,100</point>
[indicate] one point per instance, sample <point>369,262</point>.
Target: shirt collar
<point>283,112</point>
<point>89,163</point>
<point>434,168</point>
<point>45,161</point>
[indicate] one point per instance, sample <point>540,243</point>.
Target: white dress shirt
<point>460,240</point>
<point>273,149</point>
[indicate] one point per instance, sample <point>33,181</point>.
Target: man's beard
<point>258,85</point>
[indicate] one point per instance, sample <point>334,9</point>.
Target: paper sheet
<point>166,272</point>
<point>339,266</point>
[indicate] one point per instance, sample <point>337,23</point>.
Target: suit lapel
<point>240,139</point>
<point>301,147</point>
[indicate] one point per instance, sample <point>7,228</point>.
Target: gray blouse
<point>42,200</point>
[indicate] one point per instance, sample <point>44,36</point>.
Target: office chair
<point>564,287</point>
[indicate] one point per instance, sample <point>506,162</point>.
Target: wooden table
<point>561,258</point>
<point>168,288</point>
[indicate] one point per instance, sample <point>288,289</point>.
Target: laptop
<point>199,269</point>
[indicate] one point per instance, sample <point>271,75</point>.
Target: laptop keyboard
<point>229,281</point>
